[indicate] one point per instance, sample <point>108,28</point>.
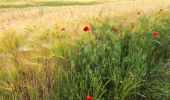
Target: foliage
<point>110,62</point>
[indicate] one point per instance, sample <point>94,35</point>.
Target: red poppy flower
<point>88,98</point>
<point>114,30</point>
<point>86,28</point>
<point>155,34</point>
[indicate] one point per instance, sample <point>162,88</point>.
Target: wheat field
<point>14,18</point>
<point>84,49</point>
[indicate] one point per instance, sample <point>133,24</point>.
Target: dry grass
<point>32,63</point>
<point>36,17</point>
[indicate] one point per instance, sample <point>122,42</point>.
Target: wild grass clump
<point>119,61</point>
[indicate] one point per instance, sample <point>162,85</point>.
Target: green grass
<point>126,68</point>
<point>127,64</point>
<point>45,3</point>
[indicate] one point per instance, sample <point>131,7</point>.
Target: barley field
<point>84,49</point>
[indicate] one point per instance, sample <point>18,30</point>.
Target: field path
<point>19,18</point>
